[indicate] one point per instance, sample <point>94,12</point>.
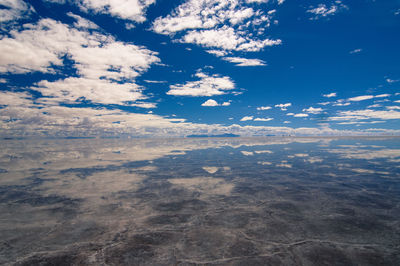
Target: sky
<point>163,68</point>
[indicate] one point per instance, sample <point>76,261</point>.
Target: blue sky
<point>175,68</point>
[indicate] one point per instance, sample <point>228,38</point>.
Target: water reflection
<point>197,201</point>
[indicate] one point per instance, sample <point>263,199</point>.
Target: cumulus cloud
<point>312,110</point>
<point>206,86</point>
<point>239,61</point>
<point>101,62</point>
<point>283,106</point>
<point>330,95</point>
<point>212,102</point>
<point>247,118</point>
<point>218,24</point>
<point>29,119</point>
<point>134,10</point>
<point>70,90</point>
<point>227,38</point>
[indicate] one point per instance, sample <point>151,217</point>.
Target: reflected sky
<point>303,201</point>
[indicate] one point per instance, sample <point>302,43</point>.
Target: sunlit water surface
<point>235,201</point>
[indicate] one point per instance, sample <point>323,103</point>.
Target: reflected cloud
<point>150,195</point>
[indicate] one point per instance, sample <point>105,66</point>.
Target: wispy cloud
<point>239,61</point>
<point>330,95</point>
<point>259,119</point>
<point>392,80</point>
<point>366,114</point>
<point>14,10</point>
<point>263,108</point>
<point>323,10</point>
<point>367,97</point>
<point>355,51</point>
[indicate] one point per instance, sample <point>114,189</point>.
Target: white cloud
<point>125,9</point>
<point>126,61</point>
<point>227,38</point>
<point>247,118</point>
<point>39,46</point>
<point>218,24</point>
<point>330,95</point>
<point>82,22</point>
<point>398,101</point>
<point>96,90</point>
<point>206,86</point>
<point>283,106</point>
<point>323,10</point>
<point>300,115</point>
<point>239,61</point>
<point>14,10</point>
<point>218,53</point>
<point>392,80</point>
<point>101,62</point>
<point>313,110</point>
<point>360,98</point>
<point>263,119</point>
<point>366,114</point>
<point>367,97</point>
<point>382,95</point>
<point>355,51</point>
<point>374,106</point>
<point>257,1</point>
<point>8,98</point>
<point>210,102</point>
<point>28,120</point>
<point>287,122</point>
<point>263,108</point>
<point>324,103</point>
<point>341,104</point>
<point>155,81</point>
<point>393,107</point>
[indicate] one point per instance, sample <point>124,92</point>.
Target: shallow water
<point>235,201</point>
